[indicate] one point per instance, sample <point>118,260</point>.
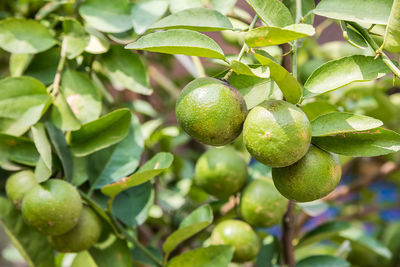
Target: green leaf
<point>128,69</point>
<point>114,254</point>
<point>338,73</point>
<point>196,19</point>
<point>75,38</point>
<point>32,245</point>
<point>322,261</point>
<point>145,13</point>
<point>370,143</point>
<point>179,5</point>
<point>272,12</point>
<point>212,256</point>
<point>289,86</point>
<point>269,252</point>
<point>57,138</point>
<point>21,36</point>
<point>353,37</point>
<point>313,208</point>
<point>81,95</point>
<point>199,219</point>
<point>44,65</point>
<point>42,172</point>
<point>371,11</point>
<point>271,35</point>
<point>223,6</point>
<point>42,145</point>
<point>132,206</point>
<point>184,42</point>
<point>83,259</point>
<point>18,149</point>
<point>62,115</point>
<point>317,108</point>
<point>392,33</point>
<point>107,16</point>
<point>241,68</point>
<point>80,172</point>
<point>342,122</point>
<point>19,63</point>
<point>98,43</point>
<point>156,165</point>
<point>114,163</point>
<point>101,133</point>
<point>322,232</point>
<point>306,7</point>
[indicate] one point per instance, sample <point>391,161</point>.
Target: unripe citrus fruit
<point>18,185</point>
<point>313,177</point>
<point>221,172</point>
<point>53,207</point>
<point>211,111</point>
<point>261,205</point>
<point>240,236</point>
<point>84,235</point>
<point>277,133</point>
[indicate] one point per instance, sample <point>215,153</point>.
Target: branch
<point>288,234</point>
<point>60,67</point>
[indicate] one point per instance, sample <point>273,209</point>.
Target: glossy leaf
<point>271,35</point>
<point>323,261</point>
<point>44,65</point>
<point>179,5</point>
<point>338,73</point>
<point>114,254</point>
<point>317,108</point>
<point>272,12</point>
<point>197,19</point>
<point>32,245</point>
<point>289,86</point>
<point>324,231</point>
<point>98,43</point>
<point>81,95</point>
<point>242,68</point>
<point>19,63</point>
<point>353,37</point>
<point>18,149</point>
<point>75,38</point>
<point>62,115</point>
<point>132,206</point>
<point>156,165</point>
<point>116,162</point>
<point>145,13</point>
<point>128,69</point>
<point>212,256</point>
<point>179,42</point>
<point>107,16</point>
<point>369,143</point>
<point>101,133</point>
<point>342,122</point>
<point>371,11</point>
<point>201,214</point>
<point>392,33</point>
<point>42,144</point>
<point>42,171</point>
<point>21,36</point>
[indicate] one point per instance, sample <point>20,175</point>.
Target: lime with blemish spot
<point>261,205</point>
<point>53,207</point>
<point>84,235</point>
<point>277,133</point>
<point>18,185</point>
<point>221,172</point>
<point>313,177</point>
<point>211,111</point>
<point>240,236</point>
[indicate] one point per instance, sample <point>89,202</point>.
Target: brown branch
<point>287,236</point>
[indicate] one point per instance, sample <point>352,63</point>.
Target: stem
<point>60,67</point>
<point>243,50</point>
<point>288,234</point>
<point>199,67</point>
<point>375,47</point>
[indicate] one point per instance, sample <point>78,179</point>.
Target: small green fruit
<point>53,207</point>
<point>240,236</point>
<point>18,185</point>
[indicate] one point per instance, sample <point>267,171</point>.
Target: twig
<point>288,234</point>
<point>199,66</point>
<point>60,67</point>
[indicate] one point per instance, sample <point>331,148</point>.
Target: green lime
<point>84,235</point>
<point>18,185</point>
<point>211,111</point>
<point>240,236</point>
<point>221,172</point>
<point>313,177</point>
<point>261,205</point>
<point>277,133</point>
<point>53,207</point>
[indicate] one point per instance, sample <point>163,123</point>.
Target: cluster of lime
<point>277,134</point>
<point>55,209</point>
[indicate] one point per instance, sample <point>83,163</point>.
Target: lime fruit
<point>313,177</point>
<point>277,133</point>
<point>261,205</point>
<point>240,236</point>
<point>53,207</point>
<point>84,235</point>
<point>221,172</point>
<point>18,185</point>
<point>211,111</point>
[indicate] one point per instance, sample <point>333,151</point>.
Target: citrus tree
<point>282,154</point>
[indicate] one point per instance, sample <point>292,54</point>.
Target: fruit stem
<point>199,66</point>
<point>243,50</point>
<point>287,236</point>
<point>375,47</point>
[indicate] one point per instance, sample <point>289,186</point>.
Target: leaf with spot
<point>62,115</point>
<point>272,12</point>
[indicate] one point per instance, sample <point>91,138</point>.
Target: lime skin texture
<point>261,205</point>
<point>83,236</point>
<point>211,111</point>
<point>277,133</point>
<point>18,185</point>
<point>53,207</point>
<point>240,236</point>
<point>221,172</point>
<point>311,178</point>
